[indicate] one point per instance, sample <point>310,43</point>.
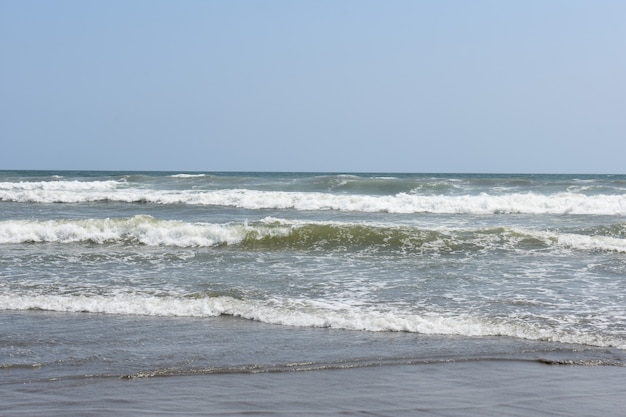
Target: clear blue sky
<point>385,86</point>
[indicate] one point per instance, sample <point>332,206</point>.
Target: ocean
<point>227,293</point>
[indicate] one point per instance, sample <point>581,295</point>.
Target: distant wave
<point>58,186</point>
<point>301,313</point>
<point>277,234</point>
<point>188,175</point>
<point>524,203</point>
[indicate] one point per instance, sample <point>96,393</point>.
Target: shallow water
<point>109,278</point>
<point>99,365</point>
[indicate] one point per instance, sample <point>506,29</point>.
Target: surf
<point>401,203</point>
<point>296,313</point>
<point>279,234</point>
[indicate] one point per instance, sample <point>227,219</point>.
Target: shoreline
<point>485,388</point>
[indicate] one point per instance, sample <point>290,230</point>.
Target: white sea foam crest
<point>52,186</point>
<point>585,242</point>
<point>57,191</point>
<point>409,203</point>
<point>561,203</point>
<point>147,230</point>
<point>574,241</point>
<point>300,313</point>
<point>188,175</point>
<point>141,229</point>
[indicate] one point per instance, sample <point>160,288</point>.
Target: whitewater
<point>138,274</point>
<point>565,202</point>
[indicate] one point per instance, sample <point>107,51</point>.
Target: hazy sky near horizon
<point>343,85</point>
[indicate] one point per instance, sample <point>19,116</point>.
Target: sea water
<point>126,275</point>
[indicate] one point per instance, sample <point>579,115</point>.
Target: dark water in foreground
<point>112,365</point>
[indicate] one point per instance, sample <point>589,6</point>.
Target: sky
<point>533,86</point>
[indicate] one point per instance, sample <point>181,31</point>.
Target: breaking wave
<point>277,234</point>
<point>402,202</point>
<point>303,314</point>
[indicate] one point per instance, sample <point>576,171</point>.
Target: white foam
<point>142,229</point>
<point>586,242</point>
<point>574,241</point>
<point>188,175</point>
<point>528,203</point>
<point>304,314</point>
<point>57,191</point>
<point>150,231</point>
<point>52,186</point>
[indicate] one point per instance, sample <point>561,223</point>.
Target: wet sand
<point>475,388</point>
